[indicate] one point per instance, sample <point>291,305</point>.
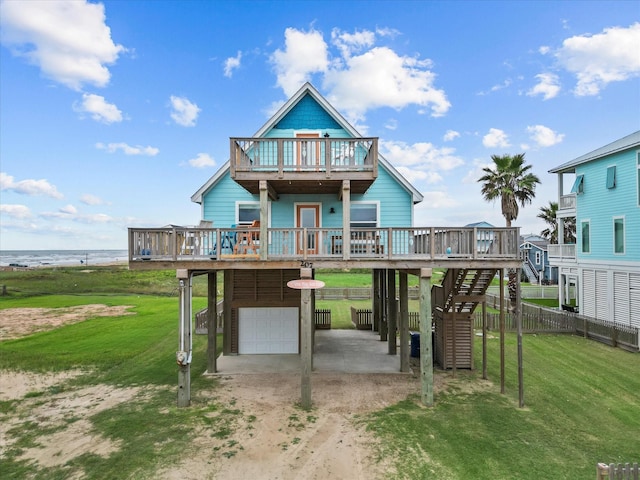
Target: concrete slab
<point>346,351</point>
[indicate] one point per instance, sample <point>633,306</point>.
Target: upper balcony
<point>565,252</point>
<point>229,248</point>
<point>310,165</point>
<point>567,205</point>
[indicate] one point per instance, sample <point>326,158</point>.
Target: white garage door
<point>268,330</point>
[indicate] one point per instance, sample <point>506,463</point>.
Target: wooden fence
<point>362,318</point>
<point>624,471</point>
<point>323,319</point>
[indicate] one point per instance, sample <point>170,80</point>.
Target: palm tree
<point>548,214</point>
<point>511,181</point>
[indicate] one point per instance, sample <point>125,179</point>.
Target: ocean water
<point>38,258</point>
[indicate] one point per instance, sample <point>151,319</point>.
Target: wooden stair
<point>453,303</point>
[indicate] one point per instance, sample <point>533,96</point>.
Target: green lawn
<point>582,401</point>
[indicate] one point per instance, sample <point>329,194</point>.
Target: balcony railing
<point>565,251</point>
<point>567,202</point>
<point>244,243</point>
<point>284,155</point>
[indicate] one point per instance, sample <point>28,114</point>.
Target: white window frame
<point>252,203</point>
<point>538,257</point>
<point>624,242</point>
<point>365,202</point>
<point>638,176</point>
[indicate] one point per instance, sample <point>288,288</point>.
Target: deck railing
<point>303,154</point>
<point>566,251</point>
<point>244,243</point>
<point>567,202</point>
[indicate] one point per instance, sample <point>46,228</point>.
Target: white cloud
<point>202,160</point>
<point>361,76</point>
<point>450,135</point>
<point>496,138</point>
<point>184,112</point>
<point>304,53</point>
<point>438,199</point>
<point>89,199</point>
<point>29,187</point>
<point>68,40</point>
<point>472,176</point>
<point>597,60</point>
<point>98,108</point>
<point>128,149</point>
<point>423,156</point>
<point>348,43</point>
<point>391,124</point>
<point>544,136</point>
<point>231,63</point>
<point>68,210</point>
<point>15,211</point>
<point>414,175</point>
<point>381,78</point>
<point>548,86</point>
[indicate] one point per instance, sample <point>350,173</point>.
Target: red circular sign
<point>305,283</point>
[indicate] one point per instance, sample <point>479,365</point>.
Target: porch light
<point>332,210</point>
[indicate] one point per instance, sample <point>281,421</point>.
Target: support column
<point>306,349</point>
<point>426,354</point>
<point>212,322</point>
<point>518,313</point>
<point>264,220</point>
<point>502,330</point>
<point>376,300</point>
<point>484,340</point>
<point>384,301</point>
<point>183,355</point>
<point>228,297</point>
<point>404,322</point>
<point>346,219</point>
<point>561,294</point>
<point>392,313</point>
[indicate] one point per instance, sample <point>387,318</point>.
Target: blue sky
<point>113,114</point>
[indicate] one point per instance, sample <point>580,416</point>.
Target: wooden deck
<point>239,248</point>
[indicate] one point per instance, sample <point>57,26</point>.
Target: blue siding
<point>396,207</point>
<point>600,205</point>
<point>308,114</point>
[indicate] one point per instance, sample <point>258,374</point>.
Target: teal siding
<point>396,207</point>
<point>308,114</point>
<point>600,205</point>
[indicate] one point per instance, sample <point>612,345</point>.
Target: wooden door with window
<point>308,151</point>
<point>308,216</point>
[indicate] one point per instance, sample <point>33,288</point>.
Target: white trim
<point>250,202</point>
<point>581,244</point>
<point>295,211</point>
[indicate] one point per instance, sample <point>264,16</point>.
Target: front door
<point>308,151</point>
<point>308,216</point>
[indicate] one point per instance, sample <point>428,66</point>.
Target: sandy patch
<point>62,418</point>
<point>19,322</point>
<point>15,385</point>
<point>275,439</point>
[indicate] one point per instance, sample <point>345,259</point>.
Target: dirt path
<point>281,441</point>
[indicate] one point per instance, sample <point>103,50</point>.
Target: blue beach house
<point>306,193</point>
<point>604,199</point>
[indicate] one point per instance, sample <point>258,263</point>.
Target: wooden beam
<point>183,355</point>
<point>426,354</point>
<point>384,309</point>
<point>212,320</point>
<point>392,313</point>
<point>306,348</point>
<point>404,322</point>
<point>346,219</point>
<point>501,330</point>
<point>484,340</point>
<point>376,304</point>
<point>226,327</point>
<point>264,220</point>
<point>518,314</point>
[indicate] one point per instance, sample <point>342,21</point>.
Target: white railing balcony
<point>558,252</point>
<point>567,202</point>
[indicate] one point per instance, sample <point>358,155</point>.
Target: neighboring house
<point>484,235</point>
<point>308,192</point>
<point>604,264</point>
<point>535,260</point>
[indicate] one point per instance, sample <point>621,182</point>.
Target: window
<point>364,215</point>
<point>618,235</point>
<point>247,212</point>
<point>586,243</point>
<point>578,185</point>
<point>611,177</point>
<point>537,258</point>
